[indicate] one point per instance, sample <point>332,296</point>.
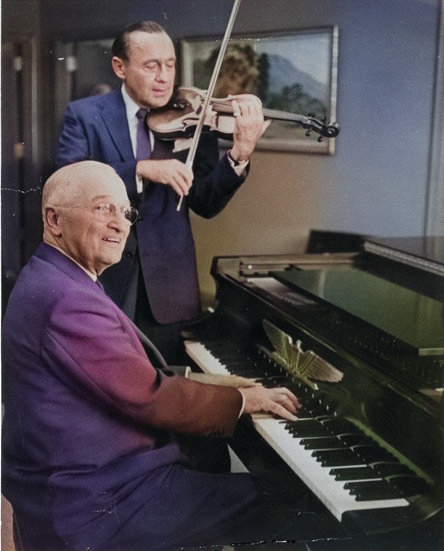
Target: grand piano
<point>359,338</point>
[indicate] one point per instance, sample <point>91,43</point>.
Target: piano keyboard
<point>332,461</point>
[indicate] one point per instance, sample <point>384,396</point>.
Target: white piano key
<point>330,492</point>
<point>204,359</point>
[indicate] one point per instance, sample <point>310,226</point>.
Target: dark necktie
<point>143,148</point>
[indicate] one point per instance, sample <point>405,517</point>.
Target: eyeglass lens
<point>131,214</point>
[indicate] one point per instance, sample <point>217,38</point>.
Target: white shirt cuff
<point>187,371</point>
<point>238,167</point>
<point>243,405</point>
<point>139,185</point>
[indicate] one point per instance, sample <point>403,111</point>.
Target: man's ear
<point>118,67</point>
<point>52,221</point>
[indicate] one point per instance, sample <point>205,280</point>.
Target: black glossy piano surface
<point>367,453</point>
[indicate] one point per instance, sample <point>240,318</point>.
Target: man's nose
<point>119,221</point>
<point>162,72</point>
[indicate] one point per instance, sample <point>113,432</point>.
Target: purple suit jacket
<point>85,411</point>
<point>96,128</point>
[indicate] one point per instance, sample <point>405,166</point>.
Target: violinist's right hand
<point>170,172</point>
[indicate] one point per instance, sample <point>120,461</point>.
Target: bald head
<point>71,182</point>
<point>87,214</point>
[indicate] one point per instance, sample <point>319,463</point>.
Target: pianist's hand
<point>279,401</point>
<point>223,380</point>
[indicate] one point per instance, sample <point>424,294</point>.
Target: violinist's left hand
<point>249,126</point>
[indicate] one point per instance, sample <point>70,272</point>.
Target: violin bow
<point>211,86</point>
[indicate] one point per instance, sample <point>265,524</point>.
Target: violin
<point>180,117</point>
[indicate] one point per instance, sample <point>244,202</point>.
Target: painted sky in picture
<point>307,52</point>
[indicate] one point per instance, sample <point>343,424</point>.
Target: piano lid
<point>426,253</point>
<point>408,316</point>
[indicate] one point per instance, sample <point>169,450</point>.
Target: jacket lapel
<point>113,115</point>
<point>63,263</point>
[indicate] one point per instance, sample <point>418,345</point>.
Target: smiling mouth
<point>112,240</point>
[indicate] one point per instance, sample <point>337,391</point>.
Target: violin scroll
<point>332,130</point>
<point>320,127</point>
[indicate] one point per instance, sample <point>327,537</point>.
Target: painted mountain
<point>283,73</point>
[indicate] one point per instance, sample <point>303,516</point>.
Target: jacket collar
<point>113,113</point>
<point>63,262</point>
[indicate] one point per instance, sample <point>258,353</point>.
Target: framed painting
<point>293,73</point>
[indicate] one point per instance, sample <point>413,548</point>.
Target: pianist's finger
<point>284,392</point>
<point>279,401</point>
<point>286,402</point>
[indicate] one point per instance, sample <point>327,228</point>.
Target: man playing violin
<point>156,282</point>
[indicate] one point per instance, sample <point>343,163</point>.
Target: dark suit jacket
<point>96,128</point>
<point>85,411</point>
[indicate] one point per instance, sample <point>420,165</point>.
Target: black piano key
<point>327,443</point>
<point>312,403</point>
<point>372,490</point>
<point>305,428</point>
<point>317,411</point>
<point>372,454</point>
<point>238,362</point>
<point>336,458</point>
<point>303,423</point>
<point>244,369</point>
<point>355,439</point>
<point>390,469</point>
<point>279,380</point>
<point>330,404</point>
<point>220,348</point>
<point>307,407</point>
<point>409,486</point>
<point>339,425</point>
<point>273,381</point>
<point>270,372</point>
<point>233,360</point>
<point>303,414</point>
<point>354,473</point>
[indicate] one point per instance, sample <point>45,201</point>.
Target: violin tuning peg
<point>308,133</point>
<point>320,139</point>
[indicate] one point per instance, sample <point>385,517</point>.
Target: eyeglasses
<point>107,210</point>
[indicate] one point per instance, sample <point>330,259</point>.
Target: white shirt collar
<point>130,104</point>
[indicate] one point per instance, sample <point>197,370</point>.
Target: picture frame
<point>293,72</point>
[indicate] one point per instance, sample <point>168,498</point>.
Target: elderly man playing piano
<point>90,459</point>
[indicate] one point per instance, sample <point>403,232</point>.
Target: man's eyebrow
<point>160,59</point>
<point>106,199</point>
<point>100,198</point>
